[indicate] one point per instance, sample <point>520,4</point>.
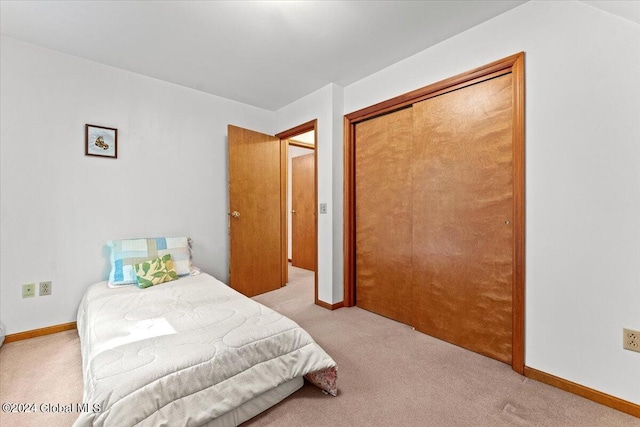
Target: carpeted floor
<point>389,375</point>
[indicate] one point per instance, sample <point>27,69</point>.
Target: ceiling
<point>263,53</point>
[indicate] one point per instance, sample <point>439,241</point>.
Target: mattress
<point>188,352</point>
<point>258,404</point>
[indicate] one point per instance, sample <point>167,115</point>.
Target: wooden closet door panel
<point>463,216</point>
<point>383,214</point>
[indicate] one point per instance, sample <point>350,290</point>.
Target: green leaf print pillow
<point>155,271</point>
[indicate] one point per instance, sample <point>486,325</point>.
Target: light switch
<point>323,208</point>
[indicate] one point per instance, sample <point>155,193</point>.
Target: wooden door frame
<point>284,136</point>
<point>513,64</point>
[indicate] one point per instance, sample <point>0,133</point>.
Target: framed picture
<point>101,141</point>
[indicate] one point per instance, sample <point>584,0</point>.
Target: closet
<point>435,211</point>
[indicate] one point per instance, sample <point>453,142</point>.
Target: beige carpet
<point>389,375</point>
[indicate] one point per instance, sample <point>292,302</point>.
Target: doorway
<point>299,240</point>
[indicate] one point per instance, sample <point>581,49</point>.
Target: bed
<point>189,352</point>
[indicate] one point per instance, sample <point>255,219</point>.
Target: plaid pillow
<point>126,253</point>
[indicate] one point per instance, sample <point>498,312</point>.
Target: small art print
<point>101,141</point>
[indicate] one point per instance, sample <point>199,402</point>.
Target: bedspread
<point>185,352</point>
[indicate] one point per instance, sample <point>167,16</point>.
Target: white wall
<point>59,207</point>
<point>325,105</point>
<point>582,177</point>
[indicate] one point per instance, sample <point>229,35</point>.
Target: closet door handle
<point>235,214</point>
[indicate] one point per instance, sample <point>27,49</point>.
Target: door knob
<point>235,214</point>
<point>293,211</point>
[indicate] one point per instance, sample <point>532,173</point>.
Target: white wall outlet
<point>631,339</point>
<point>45,288</point>
<point>28,290</point>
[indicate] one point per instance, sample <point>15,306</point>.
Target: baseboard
<point>40,332</point>
<point>586,392</point>
<point>330,306</point>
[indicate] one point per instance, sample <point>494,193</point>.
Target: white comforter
<point>184,352</point>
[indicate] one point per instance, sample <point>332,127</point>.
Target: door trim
<point>311,125</point>
<point>302,144</point>
<point>513,64</point>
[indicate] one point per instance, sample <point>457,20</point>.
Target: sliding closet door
<point>463,216</point>
<point>383,214</point>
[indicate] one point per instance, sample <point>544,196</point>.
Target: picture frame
<point>101,141</point>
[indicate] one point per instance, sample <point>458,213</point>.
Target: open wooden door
<point>303,227</point>
<point>255,259</point>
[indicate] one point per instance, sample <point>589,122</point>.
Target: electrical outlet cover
<point>631,339</point>
<point>29,290</point>
<point>45,288</point>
